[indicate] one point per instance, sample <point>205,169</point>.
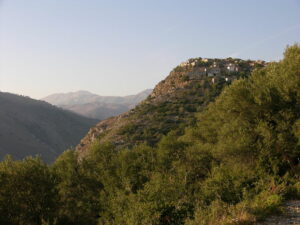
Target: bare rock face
<point>173,82</point>
<point>100,130</point>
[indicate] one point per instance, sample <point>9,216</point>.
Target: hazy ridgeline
<point>233,164</point>
<point>94,106</point>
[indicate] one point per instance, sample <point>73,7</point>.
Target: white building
<point>183,64</point>
<point>232,67</point>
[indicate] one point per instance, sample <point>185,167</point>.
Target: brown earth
<point>290,215</point>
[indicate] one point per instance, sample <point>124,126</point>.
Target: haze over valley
<point>96,106</point>
<point>30,127</point>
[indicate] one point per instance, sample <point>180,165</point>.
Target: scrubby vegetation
<point>177,112</point>
<point>186,91</point>
<point>235,164</point>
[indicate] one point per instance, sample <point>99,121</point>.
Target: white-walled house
<point>232,67</point>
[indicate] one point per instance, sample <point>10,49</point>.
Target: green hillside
<point>172,105</point>
<point>232,162</point>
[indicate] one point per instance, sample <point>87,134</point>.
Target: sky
<point>121,47</point>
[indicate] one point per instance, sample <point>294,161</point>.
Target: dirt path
<point>291,215</point>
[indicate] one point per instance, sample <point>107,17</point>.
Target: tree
<point>28,195</point>
<point>78,190</point>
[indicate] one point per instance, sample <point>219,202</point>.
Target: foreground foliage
<point>235,166</point>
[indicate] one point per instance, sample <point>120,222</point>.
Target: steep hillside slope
<point>31,127</point>
<point>95,106</point>
<point>173,102</point>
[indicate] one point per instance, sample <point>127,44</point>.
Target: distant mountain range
<point>31,127</point>
<point>96,106</point>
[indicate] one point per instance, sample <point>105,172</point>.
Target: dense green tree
<point>78,190</point>
<point>28,195</point>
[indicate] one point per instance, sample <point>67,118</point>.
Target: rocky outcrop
<point>173,82</point>
<point>101,129</point>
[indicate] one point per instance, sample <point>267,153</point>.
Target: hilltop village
<point>218,69</point>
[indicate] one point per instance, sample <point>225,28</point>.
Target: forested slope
<point>173,103</point>
<point>236,164</point>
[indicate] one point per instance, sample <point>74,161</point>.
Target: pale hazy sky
<point>122,47</point>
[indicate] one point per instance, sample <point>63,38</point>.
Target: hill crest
<point>174,101</point>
